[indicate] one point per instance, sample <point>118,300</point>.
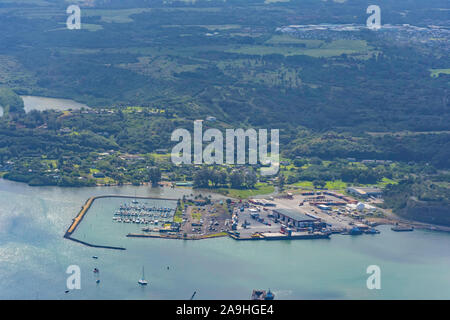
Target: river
<point>34,257</point>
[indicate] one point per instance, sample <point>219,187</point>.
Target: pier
<point>165,236</point>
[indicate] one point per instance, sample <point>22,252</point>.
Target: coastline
<point>390,219</point>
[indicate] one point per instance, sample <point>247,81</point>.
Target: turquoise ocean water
<point>34,257</point>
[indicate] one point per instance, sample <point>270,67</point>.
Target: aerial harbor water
<point>34,257</point>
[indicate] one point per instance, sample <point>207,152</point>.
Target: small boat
<point>269,295</point>
<point>373,231</point>
<point>355,231</point>
<point>262,295</point>
<point>96,270</point>
<point>142,281</point>
<point>97,281</point>
<point>94,257</point>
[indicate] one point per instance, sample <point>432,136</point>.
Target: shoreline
<point>390,219</point>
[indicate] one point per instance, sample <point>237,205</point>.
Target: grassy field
<point>331,185</point>
<point>161,67</point>
<point>304,184</point>
<point>286,39</point>
<point>178,216</point>
<point>436,72</point>
<point>386,181</point>
<point>260,189</point>
<point>336,185</point>
<point>313,48</point>
<point>116,16</point>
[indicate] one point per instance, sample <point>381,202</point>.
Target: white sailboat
<point>142,281</point>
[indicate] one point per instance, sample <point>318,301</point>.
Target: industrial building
<point>365,192</point>
<point>294,217</point>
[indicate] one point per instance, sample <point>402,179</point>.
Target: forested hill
<point>233,59</point>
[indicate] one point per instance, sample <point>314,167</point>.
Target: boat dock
<point>84,210</point>
<point>174,236</point>
<point>400,228</point>
<point>281,236</point>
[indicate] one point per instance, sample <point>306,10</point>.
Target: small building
<point>324,207</point>
<point>294,217</point>
<point>262,202</point>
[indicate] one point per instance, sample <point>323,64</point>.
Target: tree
<point>11,102</point>
<point>281,181</point>
<point>250,179</point>
<point>223,177</point>
<point>319,184</point>
<point>236,179</point>
<point>201,178</point>
<point>154,175</point>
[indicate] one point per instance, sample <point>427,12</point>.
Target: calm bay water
<point>44,103</point>
<point>34,257</point>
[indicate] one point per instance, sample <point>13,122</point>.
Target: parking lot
<point>204,220</point>
<point>248,225</point>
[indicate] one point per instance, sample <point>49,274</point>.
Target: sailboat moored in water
<point>142,281</point>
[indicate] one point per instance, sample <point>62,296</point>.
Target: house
<point>98,175</point>
<point>65,130</point>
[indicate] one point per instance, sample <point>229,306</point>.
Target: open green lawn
<point>336,185</point>
<point>331,185</point>
<point>386,181</point>
<point>304,184</point>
